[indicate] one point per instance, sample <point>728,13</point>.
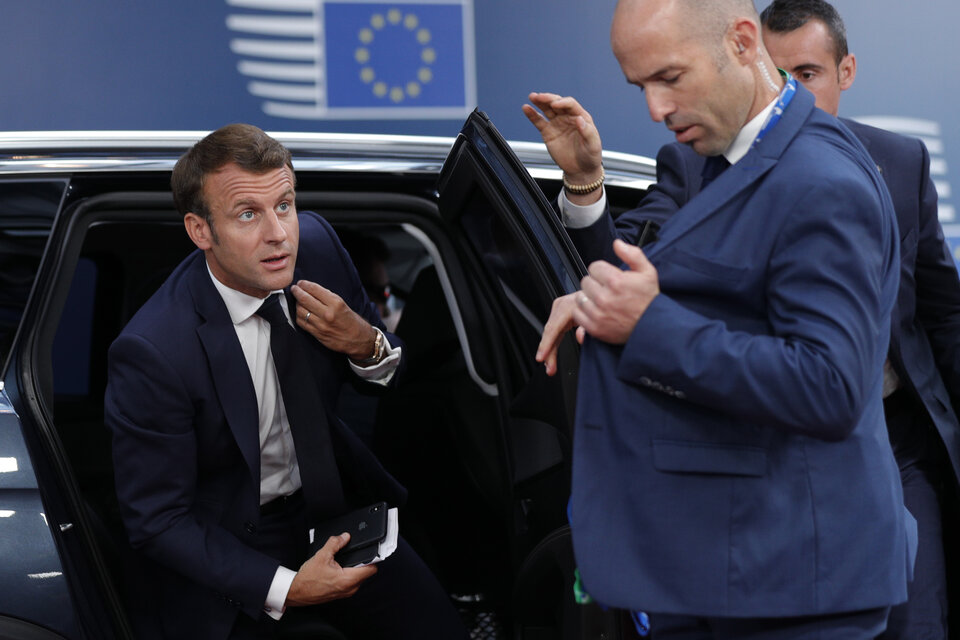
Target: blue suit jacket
<point>731,459</point>
<point>925,327</point>
<point>183,412</point>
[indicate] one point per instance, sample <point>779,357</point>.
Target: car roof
<point>44,152</point>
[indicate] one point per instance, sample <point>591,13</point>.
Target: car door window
<point>27,210</point>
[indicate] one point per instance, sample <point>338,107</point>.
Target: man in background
<point>807,38</point>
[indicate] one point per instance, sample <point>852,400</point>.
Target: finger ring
<point>583,299</point>
<point>306,318</point>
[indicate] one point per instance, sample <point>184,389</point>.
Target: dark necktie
<point>319,476</point>
<point>712,167</point>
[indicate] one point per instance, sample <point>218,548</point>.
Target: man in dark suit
<point>922,371</point>
<point>732,474</point>
<point>225,448</point>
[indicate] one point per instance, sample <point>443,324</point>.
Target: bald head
<point>700,62</point>
<point>705,20</point>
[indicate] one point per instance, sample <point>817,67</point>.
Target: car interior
<point>474,429</point>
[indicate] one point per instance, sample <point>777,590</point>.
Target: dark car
<point>457,243</point>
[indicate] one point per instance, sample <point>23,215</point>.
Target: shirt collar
<point>240,306</point>
<point>741,144</point>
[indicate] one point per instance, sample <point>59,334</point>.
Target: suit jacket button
<point>250,527</point>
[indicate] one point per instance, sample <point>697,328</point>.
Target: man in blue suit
<point>807,38</point>
<point>732,473</point>
<point>225,448</point>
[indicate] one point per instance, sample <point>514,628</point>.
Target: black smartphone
<point>367,528</point>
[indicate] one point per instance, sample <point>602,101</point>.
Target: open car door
<point>521,259</point>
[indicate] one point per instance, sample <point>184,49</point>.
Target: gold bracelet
<point>582,189</point>
<point>378,351</point>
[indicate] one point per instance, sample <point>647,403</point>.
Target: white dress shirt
<point>279,470</point>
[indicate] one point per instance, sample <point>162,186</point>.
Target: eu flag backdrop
<point>388,56</point>
<point>357,59</point>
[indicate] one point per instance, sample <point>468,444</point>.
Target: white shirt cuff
<point>383,371</point>
<point>575,216</point>
<point>277,596</point>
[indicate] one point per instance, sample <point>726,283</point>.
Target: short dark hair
<point>243,144</point>
<point>789,15</point>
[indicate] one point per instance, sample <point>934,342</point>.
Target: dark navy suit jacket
<point>183,412</point>
<point>925,333</point>
<point>732,458</point>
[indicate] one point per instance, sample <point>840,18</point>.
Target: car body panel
<point>34,586</point>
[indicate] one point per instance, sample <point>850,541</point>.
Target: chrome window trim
<point>44,152</point>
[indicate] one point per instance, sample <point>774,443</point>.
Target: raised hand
<point>569,133</point>
<point>330,320</point>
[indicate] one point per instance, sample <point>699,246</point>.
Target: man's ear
<point>847,71</point>
<point>744,40</point>
<point>199,231</point>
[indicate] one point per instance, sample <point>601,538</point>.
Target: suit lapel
<point>228,367</point>
<point>752,167</point>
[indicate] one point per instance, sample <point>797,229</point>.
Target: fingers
<point>354,577</point>
<point>305,291</point>
<point>335,543</point>
<point>632,256</point>
<point>559,322</point>
<point>351,577</point>
<point>543,101</point>
<point>553,105</point>
<point>602,276</point>
<point>320,579</point>
<point>534,116</point>
<point>601,271</point>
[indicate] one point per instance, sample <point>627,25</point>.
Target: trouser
<point>921,460</point>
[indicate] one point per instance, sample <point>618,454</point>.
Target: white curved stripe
<point>275,5</point>
<point>278,91</point>
<point>897,124</point>
<point>934,145</point>
<point>298,111</point>
<point>306,112</point>
<point>271,26</point>
<point>943,188</point>
<point>521,307</point>
<point>448,292</point>
<point>276,71</point>
<point>938,167</point>
<point>279,49</point>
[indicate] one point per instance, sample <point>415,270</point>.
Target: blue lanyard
<point>786,95</point>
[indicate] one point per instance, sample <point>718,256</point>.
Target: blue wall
<point>175,65</point>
